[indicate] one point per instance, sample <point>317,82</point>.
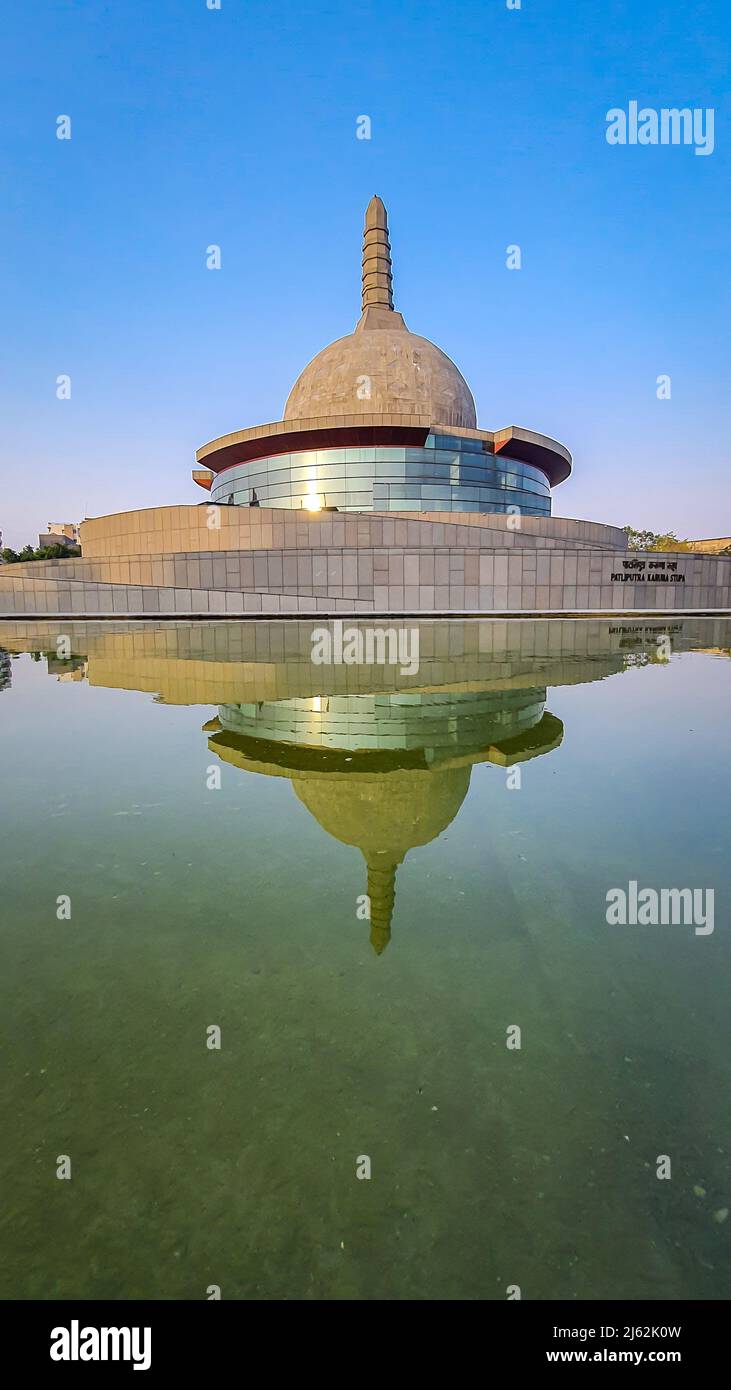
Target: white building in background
<point>60,533</point>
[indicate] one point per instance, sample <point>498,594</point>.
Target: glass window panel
<point>528,470</point>
<point>275,490</point>
<point>263,467</point>
<point>329,470</point>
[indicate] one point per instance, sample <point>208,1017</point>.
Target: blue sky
<point>238,127</point>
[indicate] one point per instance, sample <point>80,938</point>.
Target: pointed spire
<point>377,276</point>
<point>382,894</point>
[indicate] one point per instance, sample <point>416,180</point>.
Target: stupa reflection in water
<point>384,773</point>
<point>382,763</point>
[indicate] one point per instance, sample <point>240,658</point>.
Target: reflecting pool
<point>307,974</point>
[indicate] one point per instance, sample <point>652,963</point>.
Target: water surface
<point>240,905</point>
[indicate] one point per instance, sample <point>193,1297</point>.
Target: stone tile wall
<point>394,580</point>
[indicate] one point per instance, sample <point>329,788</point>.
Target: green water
<point>240,906</point>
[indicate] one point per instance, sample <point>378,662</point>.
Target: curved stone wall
<point>385,582</point>
<point>207,527</point>
<point>232,560</point>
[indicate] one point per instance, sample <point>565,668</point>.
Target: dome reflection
<point>384,773</point>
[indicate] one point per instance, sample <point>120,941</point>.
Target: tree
<point>638,540</point>
<point>669,541</point>
<point>46,552</point>
<point>57,552</point>
<point>651,540</point>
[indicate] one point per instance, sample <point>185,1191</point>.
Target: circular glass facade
<point>447,474</point>
<point>438,723</point>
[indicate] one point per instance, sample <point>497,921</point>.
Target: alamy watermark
<point>366,646</point>
<point>646,907</point>
<point>80,1343</point>
<point>668,126</point>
